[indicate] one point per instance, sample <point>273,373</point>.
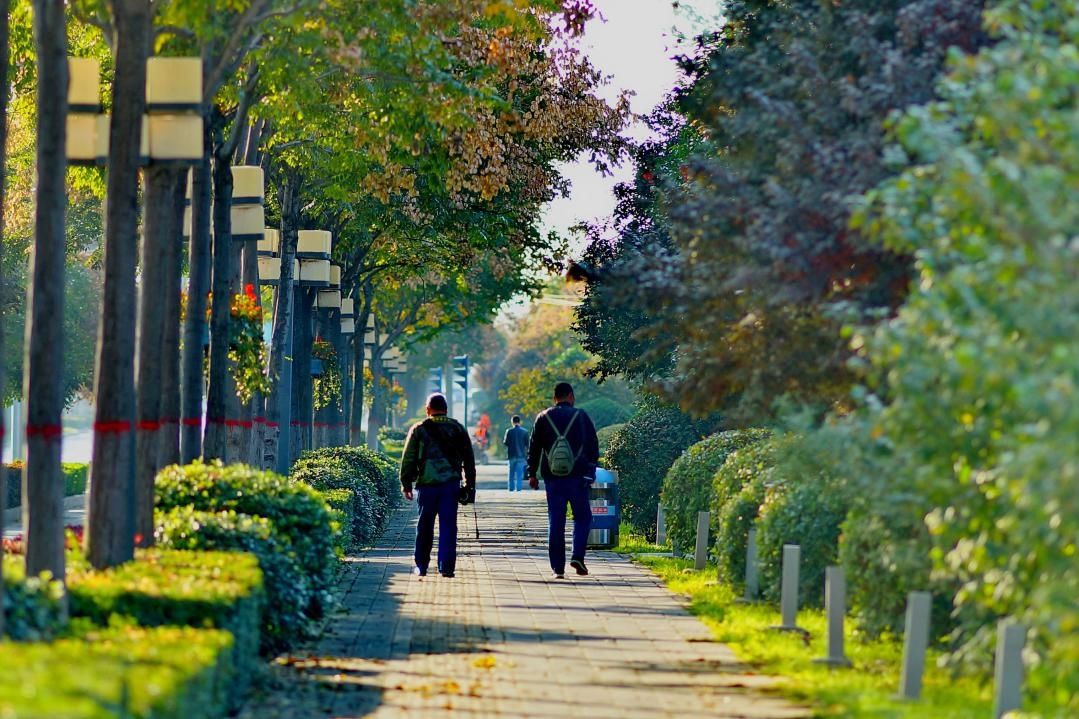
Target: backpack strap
<point>562,435</point>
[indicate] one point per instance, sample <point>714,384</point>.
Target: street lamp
<point>248,211</point>
<point>172,128</point>
<point>84,106</point>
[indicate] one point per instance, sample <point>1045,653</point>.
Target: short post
<point>788,602</point>
<point>835,603</point>
<point>661,525</point>
<point>915,644</point>
<point>751,566</point>
<point>700,554</point>
<point>1008,679</point>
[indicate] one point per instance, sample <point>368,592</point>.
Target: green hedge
<point>605,412</point>
<point>734,520</point>
<point>75,475</point>
<point>288,589</point>
<point>688,487</point>
<point>342,503</point>
<point>179,588</point>
<point>32,605</point>
<point>370,476</point>
<point>642,452</point>
<point>301,519</point>
<point>604,435</point>
<point>131,672</point>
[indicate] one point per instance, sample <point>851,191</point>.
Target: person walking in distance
<point>516,441</point>
<point>437,451</point>
<point>564,452</point>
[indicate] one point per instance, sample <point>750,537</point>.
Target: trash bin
<point>606,510</point>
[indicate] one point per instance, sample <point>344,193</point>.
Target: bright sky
<point>634,46</point>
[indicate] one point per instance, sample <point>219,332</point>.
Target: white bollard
<point>752,583</point>
<point>700,553</point>
<point>835,604</point>
<point>788,603</point>
<point>915,644</point>
<point>1008,679</point>
<point>661,525</point>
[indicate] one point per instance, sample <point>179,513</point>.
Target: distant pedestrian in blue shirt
<point>516,441</point>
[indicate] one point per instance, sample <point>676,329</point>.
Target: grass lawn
<point>866,690</point>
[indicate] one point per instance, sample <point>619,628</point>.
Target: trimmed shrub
<point>642,452</point>
<point>605,412</point>
<point>300,517</point>
<point>688,487</point>
<point>288,589</point>
<point>75,474</point>
<point>342,503</point>
<point>604,435</point>
<point>390,434</point>
<point>32,605</point>
<point>177,588</point>
<point>734,520</point>
<point>370,476</point>
<point>807,513</point>
<point>122,671</point>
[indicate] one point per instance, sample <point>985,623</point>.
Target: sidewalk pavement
<point>503,639</point>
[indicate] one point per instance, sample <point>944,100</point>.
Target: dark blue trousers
<point>439,500</point>
<point>574,491</point>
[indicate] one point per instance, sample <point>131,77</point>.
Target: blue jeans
<point>517,473</point>
<point>437,500</point>
<point>574,491</point>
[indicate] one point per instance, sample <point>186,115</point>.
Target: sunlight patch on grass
<point>865,691</point>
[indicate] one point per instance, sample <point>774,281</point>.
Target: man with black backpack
<point>564,452</point>
<point>437,451</point>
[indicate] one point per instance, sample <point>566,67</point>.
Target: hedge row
<point>75,475</point>
<point>185,627</point>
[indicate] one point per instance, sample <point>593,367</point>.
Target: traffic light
<point>434,381</point>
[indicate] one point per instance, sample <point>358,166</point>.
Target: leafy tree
<point>762,267</point>
<point>975,376</point>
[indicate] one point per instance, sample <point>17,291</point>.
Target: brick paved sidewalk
<point>504,640</point>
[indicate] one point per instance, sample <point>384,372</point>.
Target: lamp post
<point>313,250</point>
<point>280,414</point>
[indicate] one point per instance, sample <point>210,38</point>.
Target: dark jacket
<point>516,441</point>
<point>582,439</point>
<point>437,451</point>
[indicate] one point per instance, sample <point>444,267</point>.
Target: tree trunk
<point>302,407</point>
<point>194,353</point>
<point>237,419</point>
<point>159,240</point>
<point>110,537</point>
<point>255,411</point>
<point>43,485</point>
<point>168,451</point>
<point>356,418</point>
<point>215,442</point>
<point>378,405</point>
<point>4,31</point>
<point>281,364</point>
<point>336,434</point>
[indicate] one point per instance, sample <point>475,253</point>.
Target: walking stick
<point>476,520</point>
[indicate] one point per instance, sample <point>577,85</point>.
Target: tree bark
<point>199,265</point>
<point>255,411</point>
<point>356,416</point>
<point>160,235</point>
<point>43,485</point>
<point>110,537</point>
<point>281,365</point>
<point>237,418</point>
<point>302,407</point>
<point>378,406</point>
<point>215,441</point>
<point>4,33</point>
<point>168,451</point>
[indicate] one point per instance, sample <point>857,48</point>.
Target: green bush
<point>32,606</point>
<point>342,503</point>
<point>807,513</point>
<point>75,474</point>
<point>300,517</point>
<point>288,589</point>
<point>688,486</point>
<point>605,412</point>
<point>642,452</point>
<point>179,588</point>
<point>390,434</point>
<point>604,435</point>
<point>734,520</point>
<point>122,671</point>
<point>370,476</point>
